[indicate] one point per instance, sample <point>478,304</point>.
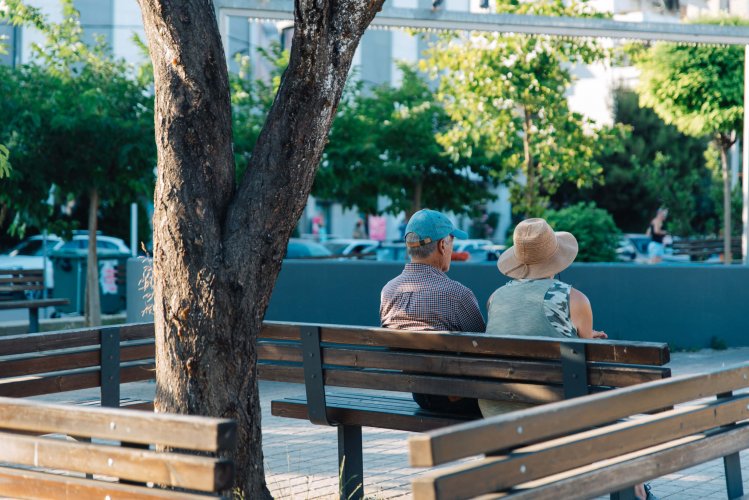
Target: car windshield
<point>336,248</point>
<point>31,248</point>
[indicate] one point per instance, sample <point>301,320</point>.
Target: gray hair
<point>421,252</point>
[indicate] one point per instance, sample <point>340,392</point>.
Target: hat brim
<point>461,235</point>
<point>509,265</point>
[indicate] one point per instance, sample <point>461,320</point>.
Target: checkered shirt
<point>424,298</point>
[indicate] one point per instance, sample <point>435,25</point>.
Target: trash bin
<point>69,267</point>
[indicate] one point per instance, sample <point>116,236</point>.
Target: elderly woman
<point>535,303</point>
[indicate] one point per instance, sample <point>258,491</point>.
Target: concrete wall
<point>685,305</point>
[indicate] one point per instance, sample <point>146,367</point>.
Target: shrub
<point>594,228</point>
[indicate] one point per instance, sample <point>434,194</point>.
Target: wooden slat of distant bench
<point>18,483</point>
<point>71,380</point>
<point>509,430</point>
<point>528,371</point>
<point>537,347</point>
<point>31,304</point>
<point>170,469</point>
<point>558,456</point>
<point>366,410</point>
<point>392,381</point>
<point>618,474</point>
<point>67,360</point>
<point>4,280</point>
<point>39,342</point>
<point>185,432</point>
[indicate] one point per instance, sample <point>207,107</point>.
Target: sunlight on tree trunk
<point>727,252</point>
<point>92,303</point>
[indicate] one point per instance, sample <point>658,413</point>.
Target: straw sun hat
<point>538,252</point>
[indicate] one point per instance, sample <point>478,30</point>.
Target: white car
<point>352,246</point>
<point>29,254</point>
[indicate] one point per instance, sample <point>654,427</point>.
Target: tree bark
<point>530,185</point>
<point>727,251</point>
<point>92,302</point>
<point>218,247</point>
<point>416,199</point>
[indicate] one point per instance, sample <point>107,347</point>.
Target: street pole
<point>745,164</point>
<point>134,229</point>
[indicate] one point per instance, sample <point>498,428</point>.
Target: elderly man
<point>422,297</point>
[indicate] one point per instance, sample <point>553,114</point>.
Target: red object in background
<point>460,256</point>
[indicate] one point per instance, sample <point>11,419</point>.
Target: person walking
<point>657,233</point>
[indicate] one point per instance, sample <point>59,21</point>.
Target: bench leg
<point>732,467</point>
<point>33,319</point>
<point>350,463</point>
<point>627,494</point>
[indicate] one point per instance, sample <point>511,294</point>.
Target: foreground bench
<point>63,361</point>
<point>26,283</point>
<point>581,448</point>
<point>119,462</point>
<point>527,369</point>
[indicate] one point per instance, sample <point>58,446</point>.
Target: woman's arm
<point>581,315</point>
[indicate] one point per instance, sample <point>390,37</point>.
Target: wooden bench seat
<point>29,283</point>
<point>122,458</point>
<point>593,445</point>
<point>701,249</point>
<point>535,370</point>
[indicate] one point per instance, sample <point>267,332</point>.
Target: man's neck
<point>428,262</point>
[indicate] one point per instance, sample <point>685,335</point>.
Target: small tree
<point>385,143</point>
<point>80,128</point>
<point>699,89</point>
<point>506,95</point>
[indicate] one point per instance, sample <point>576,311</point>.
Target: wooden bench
<point>529,369</point>
<point>701,249</point>
<point>27,283</point>
<point>63,361</point>
<point>122,459</point>
<point>583,448</point>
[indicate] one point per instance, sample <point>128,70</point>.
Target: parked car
<point>472,250</point>
<point>29,254</point>
<point>352,247</point>
<point>299,248</point>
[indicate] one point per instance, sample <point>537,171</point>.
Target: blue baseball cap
<point>429,226</point>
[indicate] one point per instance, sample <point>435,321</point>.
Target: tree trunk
<point>92,303</point>
<point>727,252</point>
<point>416,199</point>
<point>218,247</point>
<point>530,185</point>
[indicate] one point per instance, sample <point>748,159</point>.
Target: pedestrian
<point>422,297</point>
<point>359,232</point>
<point>657,233</point>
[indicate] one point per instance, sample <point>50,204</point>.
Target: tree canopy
<point>384,143</point>
<point>506,96</point>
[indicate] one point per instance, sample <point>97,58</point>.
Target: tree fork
<point>217,247</point>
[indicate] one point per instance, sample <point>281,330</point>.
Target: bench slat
<point>31,304</point>
<point>67,360</point>
<point>629,470</point>
<point>5,280</point>
<point>612,351</point>
<point>20,483</point>
<point>171,469</point>
<point>184,431</point>
<point>39,342</point>
<point>557,456</point>
<point>532,425</point>
<point>528,371</point>
<point>405,382</point>
<point>72,380</point>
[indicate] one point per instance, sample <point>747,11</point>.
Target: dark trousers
<point>464,406</point>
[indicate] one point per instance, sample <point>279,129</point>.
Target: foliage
<point>657,166</point>
<point>506,97</point>
<point>699,89</point>
<point>595,230</point>
<point>75,121</point>
<point>251,98</point>
<point>4,161</point>
<point>384,143</point>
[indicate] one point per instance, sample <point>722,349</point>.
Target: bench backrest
<point>527,369</point>
<point>704,247</point>
<point>20,280</point>
<point>122,445</point>
<point>574,449</point>
<point>62,361</point>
